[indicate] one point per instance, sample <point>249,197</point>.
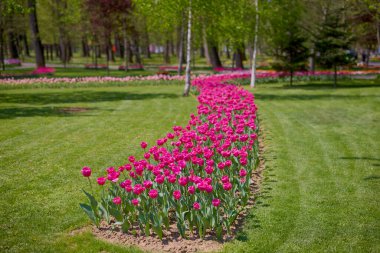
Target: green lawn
<point>43,147</point>
<point>321,178</point>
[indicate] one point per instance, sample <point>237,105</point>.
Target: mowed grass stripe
<point>321,184</point>
<point>41,178</point>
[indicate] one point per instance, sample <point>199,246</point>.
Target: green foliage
<point>333,41</point>
<point>287,40</point>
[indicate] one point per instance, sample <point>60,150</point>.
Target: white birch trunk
<point>253,74</point>
<point>180,50</point>
<point>188,58</point>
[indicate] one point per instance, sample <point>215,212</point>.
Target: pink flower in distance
<point>153,193</point>
<point>135,202</point>
<point>116,200</point>
<point>143,145</point>
<point>177,194</point>
<point>131,159</point>
<point>101,180</point>
<point>86,171</point>
<point>196,206</point>
<point>216,202</point>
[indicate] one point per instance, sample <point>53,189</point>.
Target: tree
<point>188,53</point>
<point>39,52</point>
<point>287,38</point>
<point>104,17</point>
<point>253,73</point>
<point>333,42</point>
<point>8,8</point>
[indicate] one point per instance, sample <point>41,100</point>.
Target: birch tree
<point>253,74</point>
<point>188,53</point>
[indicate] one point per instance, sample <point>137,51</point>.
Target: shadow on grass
<point>15,112</point>
<point>372,177</point>
<point>79,97</point>
<point>309,96</point>
<point>352,84</point>
<point>360,158</point>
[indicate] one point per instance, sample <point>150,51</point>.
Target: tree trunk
<point>52,52</point>
<point>85,47</point>
<point>239,59</point>
<point>57,51</point>
<point>214,57</point>
<point>167,52</point>
<point>253,74</point>
<point>228,54</point>
<point>291,78</point>
<point>202,52</point>
<point>12,46</point>
<point>180,46</point>
<point>63,48</point>
<point>135,50</point>
<point>25,44</point>
<point>188,54</point>
<point>378,36</point>
<point>117,46</point>
<point>172,48</point>
<point>40,61</point>
<point>312,61</point>
<point>126,46</point>
<point>205,45</point>
<point>130,52</point>
<point>2,48</point>
<point>335,76</point>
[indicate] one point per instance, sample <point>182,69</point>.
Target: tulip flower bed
<point>43,71</point>
<point>197,176</point>
<point>12,62</point>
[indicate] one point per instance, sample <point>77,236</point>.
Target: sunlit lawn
<point>321,182</point>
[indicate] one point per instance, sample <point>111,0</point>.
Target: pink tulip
<point>101,180</point>
<point>177,194</point>
<point>116,200</point>
<point>86,171</point>
<point>242,173</point>
<point>153,193</point>
<point>216,202</point>
<point>143,145</point>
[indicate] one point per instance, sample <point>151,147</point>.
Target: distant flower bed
<point>225,69</point>
<point>132,67</point>
<point>95,66</point>
<point>43,71</point>
<point>12,62</point>
<point>31,81</point>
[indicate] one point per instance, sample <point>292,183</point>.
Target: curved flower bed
<point>197,176</point>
